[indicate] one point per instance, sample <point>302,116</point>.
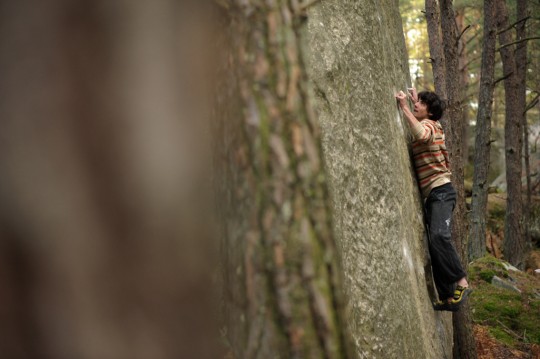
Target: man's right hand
<point>402,99</point>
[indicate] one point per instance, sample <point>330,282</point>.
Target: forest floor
<point>505,303</point>
<point>490,348</point>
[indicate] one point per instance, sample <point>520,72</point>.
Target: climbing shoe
<point>444,305</point>
<point>460,296</point>
<point>452,305</point>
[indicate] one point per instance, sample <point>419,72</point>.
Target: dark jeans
<point>445,261</point>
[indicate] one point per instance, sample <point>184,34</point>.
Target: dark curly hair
<point>435,106</point>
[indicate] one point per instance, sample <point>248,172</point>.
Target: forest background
<point>485,121</point>
<point>469,19</point>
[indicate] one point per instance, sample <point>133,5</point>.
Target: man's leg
<point>447,269</point>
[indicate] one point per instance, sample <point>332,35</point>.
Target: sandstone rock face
<point>357,61</point>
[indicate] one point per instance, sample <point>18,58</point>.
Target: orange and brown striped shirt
<point>430,155</point>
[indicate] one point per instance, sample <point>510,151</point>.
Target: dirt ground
<point>489,348</point>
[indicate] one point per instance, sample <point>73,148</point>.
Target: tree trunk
<point>281,275</point>
<point>477,237</point>
<point>464,82</point>
<point>521,66</point>
<point>433,16</point>
<point>464,344</point>
<point>514,245</point>
<point>102,253</point>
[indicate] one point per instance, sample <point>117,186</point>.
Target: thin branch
<point>510,331</point>
<point>531,104</point>
<point>535,97</point>
<point>471,61</point>
<point>463,32</point>
<point>468,43</point>
<point>517,42</point>
<point>469,40</point>
<point>514,24</point>
<point>502,78</point>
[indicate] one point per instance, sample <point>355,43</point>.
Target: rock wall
<point>357,61</point>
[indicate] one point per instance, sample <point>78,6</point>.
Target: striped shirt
<point>430,155</point>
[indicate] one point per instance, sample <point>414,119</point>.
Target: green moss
<point>502,336</point>
<point>497,212</point>
<point>490,260</point>
<point>492,304</point>
<point>530,326</point>
<point>513,318</point>
<point>487,275</point>
<point>486,268</point>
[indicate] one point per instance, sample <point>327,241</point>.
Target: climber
<point>433,169</point>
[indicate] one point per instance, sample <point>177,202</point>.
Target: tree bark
<point>514,245</point>
<point>102,198</point>
<point>464,82</point>
<point>521,66</point>
<point>464,343</point>
<point>433,16</point>
<point>477,236</point>
<point>282,279</point>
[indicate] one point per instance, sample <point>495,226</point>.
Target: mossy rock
<point>486,268</point>
<point>491,300</point>
<point>487,275</point>
<point>513,318</point>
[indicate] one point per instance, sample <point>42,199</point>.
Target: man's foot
<point>443,306</point>
<point>461,294</point>
<point>453,304</point>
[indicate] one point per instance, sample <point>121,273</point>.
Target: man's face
<point>420,110</point>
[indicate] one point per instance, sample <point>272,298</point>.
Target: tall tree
<point>281,274</point>
<point>521,68</point>
<point>464,79</point>
<point>433,15</point>
<point>464,343</point>
<point>102,198</point>
<point>477,236</point>
<point>514,245</point>
<point>414,25</point>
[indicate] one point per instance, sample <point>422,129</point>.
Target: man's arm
<point>418,130</point>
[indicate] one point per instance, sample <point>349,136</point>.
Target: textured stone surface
<point>501,283</point>
<point>357,61</point>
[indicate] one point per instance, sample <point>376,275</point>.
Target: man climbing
<point>433,169</point>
